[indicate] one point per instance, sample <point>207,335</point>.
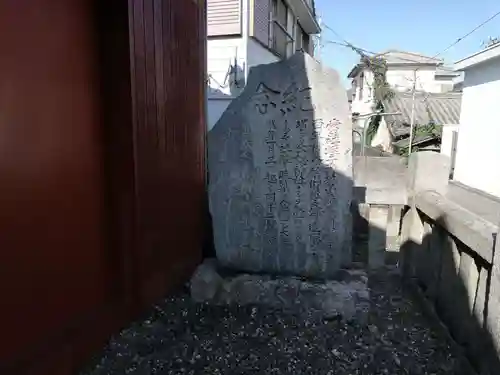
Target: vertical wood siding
<point>168,59</point>
<point>57,272</point>
<point>223,17</point>
<point>102,199</point>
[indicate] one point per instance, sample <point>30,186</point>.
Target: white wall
<point>447,139</point>
<point>363,99</point>
<point>478,150</point>
<point>257,54</point>
<point>402,79</point>
<point>221,55</point>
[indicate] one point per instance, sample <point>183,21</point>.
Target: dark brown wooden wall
<point>168,66</point>
<point>101,170</point>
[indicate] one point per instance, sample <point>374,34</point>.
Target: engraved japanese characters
<point>280,172</point>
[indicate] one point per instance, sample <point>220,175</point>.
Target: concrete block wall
<point>450,254</point>
<point>383,186</point>
<point>377,234</point>
<point>447,250</point>
<point>379,197</point>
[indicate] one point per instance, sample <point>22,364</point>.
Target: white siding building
<point>245,33</point>
<point>403,69</point>
<point>478,149</point>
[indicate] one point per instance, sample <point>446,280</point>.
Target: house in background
<point>402,68</point>
<point>246,33</point>
<point>478,150</point>
<point>441,109</point>
<point>449,79</point>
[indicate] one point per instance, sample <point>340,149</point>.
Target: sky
<point>421,26</point>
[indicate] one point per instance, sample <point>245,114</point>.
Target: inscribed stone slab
<point>280,172</point>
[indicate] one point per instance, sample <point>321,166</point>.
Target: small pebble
<point>184,337</point>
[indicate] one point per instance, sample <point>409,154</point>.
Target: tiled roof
<point>397,57</point>
<point>429,108</point>
<point>402,57</point>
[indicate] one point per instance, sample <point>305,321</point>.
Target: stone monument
<point>280,172</point>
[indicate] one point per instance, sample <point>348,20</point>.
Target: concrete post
<point>428,170</point>
<point>393,240</point>
<point>412,234</point>
<point>377,239</point>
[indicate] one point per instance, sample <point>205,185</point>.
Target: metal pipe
<point>367,117</point>
<point>412,117</point>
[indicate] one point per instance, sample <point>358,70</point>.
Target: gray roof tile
<point>429,107</point>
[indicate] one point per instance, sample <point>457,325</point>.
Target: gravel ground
<point>182,337</point>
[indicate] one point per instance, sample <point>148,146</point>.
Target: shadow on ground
<point>182,337</point>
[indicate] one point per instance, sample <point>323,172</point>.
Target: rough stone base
<point>344,297</point>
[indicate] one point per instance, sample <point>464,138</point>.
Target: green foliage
<point>381,91</point>
<point>374,124</point>
<point>429,129</point>
<point>432,129</point>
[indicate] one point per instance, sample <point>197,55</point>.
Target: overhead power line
<point>361,51</point>
<point>356,48</point>
<point>466,35</point>
<point>350,46</point>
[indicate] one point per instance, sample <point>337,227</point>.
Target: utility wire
<point>350,46</point>
<point>466,35</point>
<point>361,51</point>
<point>462,38</point>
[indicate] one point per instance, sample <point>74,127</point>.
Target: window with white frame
<point>281,39</point>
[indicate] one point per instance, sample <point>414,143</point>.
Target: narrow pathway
<point>182,337</point>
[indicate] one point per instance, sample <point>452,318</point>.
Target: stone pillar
<point>412,234</point>
<point>377,240</point>
<point>393,240</point>
<point>428,170</point>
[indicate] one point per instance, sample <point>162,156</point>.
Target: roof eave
<point>478,57</point>
<point>305,16</point>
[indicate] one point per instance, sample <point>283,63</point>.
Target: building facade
<point>478,153</point>
<point>405,70</point>
<point>246,33</point>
